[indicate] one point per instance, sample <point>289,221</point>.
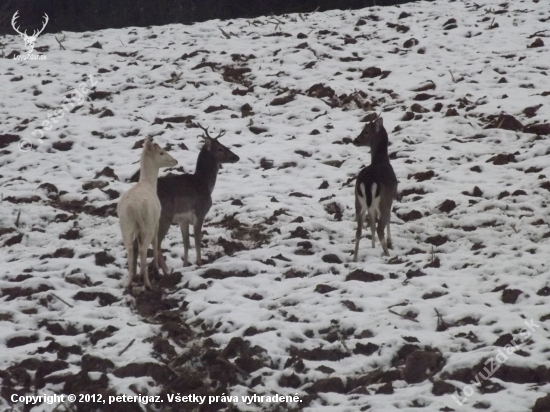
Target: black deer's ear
<point>207,143</point>
<point>379,124</point>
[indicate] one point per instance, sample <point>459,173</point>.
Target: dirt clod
<point>363,276</point>
<point>510,295</point>
<point>420,365</point>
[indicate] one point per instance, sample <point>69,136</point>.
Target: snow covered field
<point>279,307</point>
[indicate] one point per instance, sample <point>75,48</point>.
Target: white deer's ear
<point>148,144</point>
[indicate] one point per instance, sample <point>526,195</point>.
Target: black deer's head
<point>371,134</point>
<point>215,149</point>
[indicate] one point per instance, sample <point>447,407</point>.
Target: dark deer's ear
<point>207,143</point>
<point>378,124</point>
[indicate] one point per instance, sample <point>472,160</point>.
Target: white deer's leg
<point>185,235</point>
<point>156,251</point>
<point>143,246</point>
<point>135,249</point>
<point>131,257</point>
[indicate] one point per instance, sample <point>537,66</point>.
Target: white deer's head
<point>29,40</point>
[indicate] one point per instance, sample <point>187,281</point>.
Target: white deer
<point>139,211</point>
<point>29,40</point>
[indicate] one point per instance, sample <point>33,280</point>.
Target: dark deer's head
<point>371,133</point>
<point>215,149</point>
<point>374,136</point>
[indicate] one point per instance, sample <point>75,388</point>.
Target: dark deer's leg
<point>164,226</point>
<point>389,242</point>
<point>360,221</point>
<point>197,229</point>
<point>184,226</point>
<point>372,223</point>
<point>382,223</point>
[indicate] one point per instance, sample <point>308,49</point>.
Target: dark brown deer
<point>376,186</point>
<point>186,199</point>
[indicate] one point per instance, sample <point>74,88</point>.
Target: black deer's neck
<point>206,171</point>
<point>379,150</point>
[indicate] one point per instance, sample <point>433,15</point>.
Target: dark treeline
<point>84,15</point>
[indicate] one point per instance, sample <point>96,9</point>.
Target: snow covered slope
<point>279,307</point>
